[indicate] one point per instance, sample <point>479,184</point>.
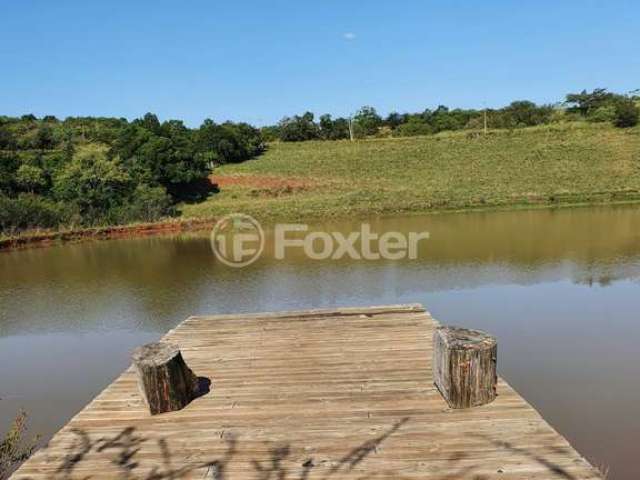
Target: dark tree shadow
<point>274,469</point>
<point>549,465</point>
<point>357,455</point>
<point>79,449</point>
<point>194,191</point>
<point>122,449</point>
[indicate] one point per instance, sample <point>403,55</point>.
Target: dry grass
<point>14,449</point>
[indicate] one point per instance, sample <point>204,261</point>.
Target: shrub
<point>13,448</point>
<point>163,154</point>
<point>270,133</point>
<point>559,115</point>
<point>331,129</point>
<point>412,128</point>
<point>237,143</point>
<point>29,211</point>
<point>7,140</point>
<point>147,204</point>
<point>298,128</point>
<point>30,178</point>
<point>523,113</point>
<point>586,102</point>
<point>44,138</point>
<point>603,114</point>
<point>9,164</point>
<point>626,113</point>
<point>366,122</point>
<point>93,183</point>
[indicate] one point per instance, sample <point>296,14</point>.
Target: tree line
<point>85,171</point>
<point>598,105</point>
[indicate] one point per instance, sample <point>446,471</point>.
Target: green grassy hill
<point>570,163</point>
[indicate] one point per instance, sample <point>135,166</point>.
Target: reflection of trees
<point>154,282</point>
<point>591,280</point>
<point>151,283</point>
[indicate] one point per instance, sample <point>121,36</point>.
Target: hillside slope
<point>557,164</point>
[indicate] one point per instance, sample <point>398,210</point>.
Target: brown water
<point>560,289</point>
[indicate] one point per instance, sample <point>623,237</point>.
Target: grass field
<point>559,164</point>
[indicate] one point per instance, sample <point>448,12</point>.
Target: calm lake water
<point>559,288</point>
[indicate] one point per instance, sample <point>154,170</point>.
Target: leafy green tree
<point>168,158</point>
<point>330,129</point>
<point>44,138</point>
<point>150,122</point>
<point>585,102</point>
<point>229,142</point>
<point>367,121</point>
<point>93,183</point>
<point>395,119</point>
<point>147,204</point>
<point>523,113</point>
<point>30,178</point>
<point>28,211</point>
<point>415,126</point>
<point>7,140</point>
<point>605,113</point>
<point>169,161</point>
<point>109,169</point>
<point>9,164</point>
<point>126,146</point>
<point>298,128</point>
<point>440,119</point>
<point>270,133</point>
<point>626,113</point>
<point>68,147</point>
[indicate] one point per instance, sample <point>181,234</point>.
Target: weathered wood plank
<point>316,394</point>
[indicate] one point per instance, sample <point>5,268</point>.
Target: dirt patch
<point>276,191</point>
<point>265,185</point>
<point>44,239</point>
<point>263,182</point>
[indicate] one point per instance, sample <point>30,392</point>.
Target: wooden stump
<point>165,382</point>
<point>464,366</point>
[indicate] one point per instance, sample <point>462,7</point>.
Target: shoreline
<point>50,238</point>
<point>35,239</point>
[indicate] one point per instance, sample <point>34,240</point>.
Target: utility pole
<point>351,128</point>
<point>485,120</point>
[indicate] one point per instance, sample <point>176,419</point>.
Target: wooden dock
<point>318,394</point>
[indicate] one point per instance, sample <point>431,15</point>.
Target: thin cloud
<point>349,36</point>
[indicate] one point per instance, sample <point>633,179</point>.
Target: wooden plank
<point>315,394</point>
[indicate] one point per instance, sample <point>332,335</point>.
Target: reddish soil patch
<point>270,182</point>
<point>102,233</point>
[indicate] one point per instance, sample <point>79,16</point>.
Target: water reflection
<point>559,288</point>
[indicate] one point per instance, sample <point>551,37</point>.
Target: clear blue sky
<point>258,61</point>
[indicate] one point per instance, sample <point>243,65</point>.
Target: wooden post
<point>464,366</point>
<point>485,121</point>
<point>165,382</point>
